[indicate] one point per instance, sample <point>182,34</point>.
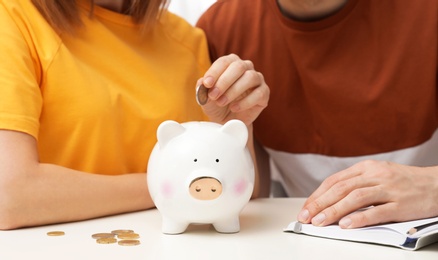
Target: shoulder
<point>19,8</point>
<point>25,16</point>
<point>179,30</point>
<point>184,36</point>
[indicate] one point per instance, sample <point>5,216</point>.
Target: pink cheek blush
<point>240,187</point>
<point>167,189</point>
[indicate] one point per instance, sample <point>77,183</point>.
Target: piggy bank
<point>200,173</point>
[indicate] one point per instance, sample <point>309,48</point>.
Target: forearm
<point>264,170</point>
<point>53,194</point>
<point>260,157</point>
<point>251,148</point>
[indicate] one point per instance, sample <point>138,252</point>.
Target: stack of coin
<point>126,237</point>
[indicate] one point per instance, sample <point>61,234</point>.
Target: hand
<point>236,90</point>
<point>393,192</point>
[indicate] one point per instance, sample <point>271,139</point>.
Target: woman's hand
<point>393,192</point>
<point>235,90</point>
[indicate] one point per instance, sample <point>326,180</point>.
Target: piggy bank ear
<point>168,130</point>
<point>237,129</point>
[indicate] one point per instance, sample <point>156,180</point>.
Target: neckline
<point>318,24</point>
<point>105,14</point>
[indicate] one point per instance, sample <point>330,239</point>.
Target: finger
<point>217,68</point>
<point>200,81</point>
<point>374,215</point>
<point>337,191</point>
<point>354,201</point>
<point>243,85</point>
<point>331,181</point>
<point>234,73</point>
<point>361,168</point>
<point>256,99</point>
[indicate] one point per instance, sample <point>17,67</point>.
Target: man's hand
<point>235,90</point>
<point>393,192</point>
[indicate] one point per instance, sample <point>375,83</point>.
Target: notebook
<point>409,235</point>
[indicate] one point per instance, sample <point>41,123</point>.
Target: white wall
<point>190,10</point>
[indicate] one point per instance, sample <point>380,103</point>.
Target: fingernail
<point>208,82</point>
<point>345,223</point>
<point>213,93</point>
<point>318,219</point>
<point>303,216</point>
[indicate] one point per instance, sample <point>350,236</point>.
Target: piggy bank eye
<point>217,160</point>
<point>195,160</point>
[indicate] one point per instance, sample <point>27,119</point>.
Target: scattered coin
<point>122,231</point>
<point>106,240</point>
<point>55,233</point>
<point>201,95</point>
<point>128,236</point>
<point>129,242</point>
<point>102,235</point>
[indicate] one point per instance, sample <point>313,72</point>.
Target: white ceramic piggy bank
<point>200,173</point>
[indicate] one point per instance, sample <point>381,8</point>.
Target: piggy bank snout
<point>205,188</point>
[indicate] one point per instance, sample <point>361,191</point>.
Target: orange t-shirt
<point>94,100</point>
<point>362,81</point>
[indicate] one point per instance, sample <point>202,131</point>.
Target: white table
<point>261,237</point>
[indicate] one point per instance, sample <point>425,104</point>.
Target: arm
<point>236,91</point>
<point>264,171</point>
<point>32,193</point>
<point>262,183</point>
<point>396,192</point>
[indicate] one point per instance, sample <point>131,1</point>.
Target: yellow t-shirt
<point>95,99</point>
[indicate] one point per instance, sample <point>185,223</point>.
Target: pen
<point>418,228</point>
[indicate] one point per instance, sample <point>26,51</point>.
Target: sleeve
<point>20,94</point>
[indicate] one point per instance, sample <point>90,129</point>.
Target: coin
<point>201,95</point>
<point>55,233</point>
<point>106,240</point>
<point>102,235</point>
<point>129,242</point>
<point>122,231</point>
<point>128,236</point>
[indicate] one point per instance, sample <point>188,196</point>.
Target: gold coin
<point>102,235</point>
<point>201,95</point>
<point>55,233</point>
<point>128,236</point>
<point>129,242</point>
<point>122,231</point>
<point>106,240</point>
